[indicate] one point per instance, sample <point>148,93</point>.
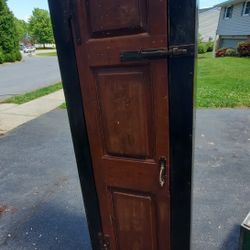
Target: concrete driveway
<point>40,198</point>
<point>32,73</point>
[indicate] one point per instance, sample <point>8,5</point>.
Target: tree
<point>40,27</point>
<point>22,28</point>
<point>9,43</point>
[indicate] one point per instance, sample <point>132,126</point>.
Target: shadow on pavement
<point>232,240</point>
<point>50,228</point>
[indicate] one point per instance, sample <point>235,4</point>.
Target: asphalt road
<point>32,73</point>
<point>40,193</point>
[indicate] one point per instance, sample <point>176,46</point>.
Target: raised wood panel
<point>134,218</point>
<point>112,18</point>
<point>125,106</point>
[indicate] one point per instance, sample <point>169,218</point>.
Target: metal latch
<point>157,53</point>
<point>104,241</point>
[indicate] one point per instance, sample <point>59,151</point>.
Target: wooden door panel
<point>106,51</point>
<point>123,174</point>
<point>135,217</point>
<point>125,106</point>
<point>114,18</point>
<point>109,18</point>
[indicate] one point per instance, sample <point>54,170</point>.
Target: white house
<point>208,22</point>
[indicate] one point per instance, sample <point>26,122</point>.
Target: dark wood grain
<point>109,18</point>
<point>127,118</point>
<point>125,110</point>
<point>135,217</point>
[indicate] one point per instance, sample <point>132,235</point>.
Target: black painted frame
<point>182,31</point>
<point>61,15</point>
<point>182,77</point>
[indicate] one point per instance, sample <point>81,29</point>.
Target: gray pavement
<point>40,198</point>
<point>221,177</point>
<point>13,115</point>
<point>32,73</point>
<point>40,192</point>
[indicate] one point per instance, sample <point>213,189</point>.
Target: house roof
<point>204,10</point>
<point>229,2</point>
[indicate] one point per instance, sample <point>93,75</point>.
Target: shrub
<point>202,48</point>
<point>8,34</point>
<point>230,52</point>
<point>210,45</point>
<point>18,55</point>
<point>244,48</point>
<point>1,56</point>
<point>221,52</point>
<point>10,57</point>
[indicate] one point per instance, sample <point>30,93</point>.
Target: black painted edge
<point>59,10</point>
<point>182,30</point>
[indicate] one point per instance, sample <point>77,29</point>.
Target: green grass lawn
<point>63,106</point>
<point>54,53</point>
<point>20,99</point>
<point>223,82</point>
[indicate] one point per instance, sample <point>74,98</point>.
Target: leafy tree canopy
<point>9,42</point>
<point>22,28</point>
<point>40,27</point>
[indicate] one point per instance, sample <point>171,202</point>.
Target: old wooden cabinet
<point>128,70</point>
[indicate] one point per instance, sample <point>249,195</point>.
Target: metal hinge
<point>104,241</point>
<point>158,53</point>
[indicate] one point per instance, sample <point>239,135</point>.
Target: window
<point>228,12</point>
<point>246,8</point>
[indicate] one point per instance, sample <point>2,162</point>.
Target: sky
<point>22,9</point>
<point>209,3</point>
